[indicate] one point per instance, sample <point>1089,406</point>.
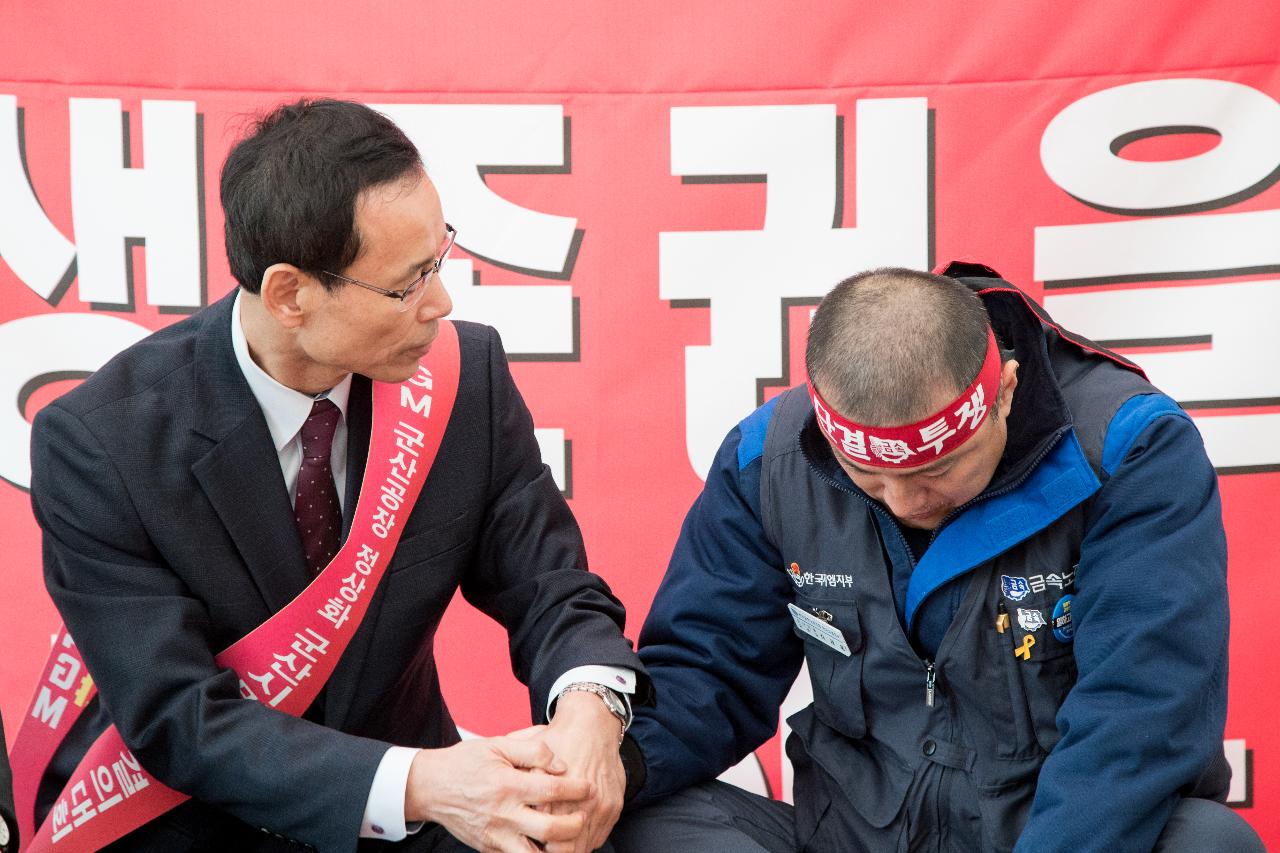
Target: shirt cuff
<point>384,810</point>
<point>616,678</point>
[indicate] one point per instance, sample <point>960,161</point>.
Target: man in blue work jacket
<point>1000,551</point>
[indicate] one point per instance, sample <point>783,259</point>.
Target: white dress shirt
<point>286,410</point>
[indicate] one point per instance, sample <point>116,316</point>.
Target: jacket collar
<point>239,472</point>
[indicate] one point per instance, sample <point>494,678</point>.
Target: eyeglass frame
<point>413,287</point>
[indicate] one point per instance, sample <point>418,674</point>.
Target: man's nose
<point>436,302</point>
<point>903,497</point>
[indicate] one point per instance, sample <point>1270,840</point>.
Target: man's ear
<point>284,293</point>
<point>1008,382</point>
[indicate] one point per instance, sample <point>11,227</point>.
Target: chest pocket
<point>1040,678</point>
<point>836,677</point>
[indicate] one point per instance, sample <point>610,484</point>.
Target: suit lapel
<point>240,473</point>
<point>359,423</point>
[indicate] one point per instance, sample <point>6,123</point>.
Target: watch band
<point>612,701</point>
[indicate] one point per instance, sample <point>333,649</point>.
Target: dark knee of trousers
<point>1206,826</point>
<point>711,817</point>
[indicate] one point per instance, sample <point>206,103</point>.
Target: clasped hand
<point>557,787</point>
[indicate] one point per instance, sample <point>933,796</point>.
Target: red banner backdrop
<point>649,205</point>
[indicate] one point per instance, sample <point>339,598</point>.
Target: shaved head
<point>891,346</point>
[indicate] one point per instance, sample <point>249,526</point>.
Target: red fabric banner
<point>650,204</point>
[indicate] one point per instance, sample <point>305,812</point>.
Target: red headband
<point>923,441</point>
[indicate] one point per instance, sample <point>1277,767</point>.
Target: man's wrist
<point>616,678</point>
<point>615,704</point>
<point>416,808</point>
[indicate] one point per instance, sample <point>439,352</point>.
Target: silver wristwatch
<point>611,699</point>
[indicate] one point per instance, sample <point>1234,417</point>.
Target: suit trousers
<point>714,817</point>
<point>195,828</point>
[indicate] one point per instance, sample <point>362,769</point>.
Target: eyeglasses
<point>410,294</point>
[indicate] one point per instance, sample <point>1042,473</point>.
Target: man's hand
<point>487,795</point>
<point>584,735</point>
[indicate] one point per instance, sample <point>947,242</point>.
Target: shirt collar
<point>285,409</point>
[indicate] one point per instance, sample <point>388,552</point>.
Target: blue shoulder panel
<point>1061,481</point>
<point>1129,421</point>
<point>751,432</point>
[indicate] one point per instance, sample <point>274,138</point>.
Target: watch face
<point>619,708</point>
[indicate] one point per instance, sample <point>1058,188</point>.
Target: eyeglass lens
<point>416,289</point>
<point>419,286</point>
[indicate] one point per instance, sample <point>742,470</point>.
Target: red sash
<point>284,662</point>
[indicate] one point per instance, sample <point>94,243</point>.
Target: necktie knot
<point>317,432</point>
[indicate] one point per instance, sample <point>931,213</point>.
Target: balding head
<point>891,346</point>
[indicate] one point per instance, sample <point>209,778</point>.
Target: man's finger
<point>538,789</point>
<point>595,832</point>
<point>527,732</point>
<point>578,845</point>
<point>560,847</point>
<point>519,844</point>
<point>549,828</point>
<point>529,755</point>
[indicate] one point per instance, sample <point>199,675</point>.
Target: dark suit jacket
<point>168,535</point>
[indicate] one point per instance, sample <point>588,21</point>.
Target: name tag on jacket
<point>824,633</point>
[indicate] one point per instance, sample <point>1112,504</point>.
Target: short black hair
<point>290,186</point>
<point>886,343</point>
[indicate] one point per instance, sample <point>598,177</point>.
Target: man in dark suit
<point>165,488</point>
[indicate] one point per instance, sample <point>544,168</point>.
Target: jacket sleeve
<point>1146,715</point>
<point>148,643</point>
<point>530,570</point>
<point>718,642</point>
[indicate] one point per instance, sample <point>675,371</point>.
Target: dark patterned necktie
<point>316,506</point>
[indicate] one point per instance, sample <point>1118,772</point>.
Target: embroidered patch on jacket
<point>1030,620</point>
<point>818,578</point>
<point>1014,588</point>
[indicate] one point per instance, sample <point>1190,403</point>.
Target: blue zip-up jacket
<point>1143,722</point>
